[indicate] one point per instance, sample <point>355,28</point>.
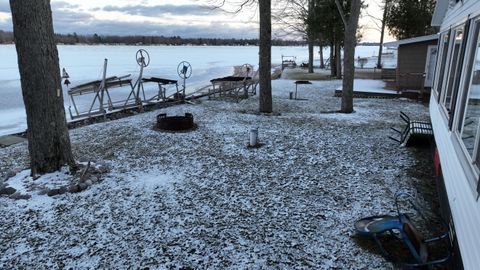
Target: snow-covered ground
<point>370,86</point>
<point>202,200</point>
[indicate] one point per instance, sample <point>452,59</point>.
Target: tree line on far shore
<point>72,39</point>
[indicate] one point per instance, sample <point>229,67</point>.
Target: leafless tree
<point>265,50</point>
<point>380,25</point>
<point>382,33</point>
<point>47,133</point>
<point>350,40</point>
<point>296,18</point>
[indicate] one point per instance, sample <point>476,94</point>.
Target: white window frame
<point>438,67</point>
<point>446,79</point>
<point>463,93</point>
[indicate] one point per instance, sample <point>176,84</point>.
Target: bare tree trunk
<point>333,62</point>
<point>382,34</point>
<point>310,55</point>
<point>322,63</point>
<point>48,138</point>
<point>310,35</point>
<point>265,56</point>
<point>338,53</point>
<point>349,57</point>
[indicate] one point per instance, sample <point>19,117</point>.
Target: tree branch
<point>340,11</point>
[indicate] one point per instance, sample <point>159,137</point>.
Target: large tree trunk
<point>265,56</point>
<point>310,54</point>
<point>349,56</point>
<point>47,133</point>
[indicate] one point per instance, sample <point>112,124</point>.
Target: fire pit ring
<point>175,123</point>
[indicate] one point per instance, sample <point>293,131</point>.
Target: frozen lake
<point>84,63</point>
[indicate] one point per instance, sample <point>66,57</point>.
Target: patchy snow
<point>370,86</point>
<point>202,200</point>
<point>152,180</point>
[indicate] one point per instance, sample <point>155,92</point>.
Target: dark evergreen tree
<point>410,18</point>
<point>328,23</point>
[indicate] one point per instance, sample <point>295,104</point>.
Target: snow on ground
<point>202,200</point>
<point>370,86</point>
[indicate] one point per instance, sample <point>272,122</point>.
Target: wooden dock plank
<point>10,140</point>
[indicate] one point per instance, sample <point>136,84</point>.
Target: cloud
<point>63,5</point>
<point>152,29</point>
<point>6,25</point>
<point>69,18</point>
<point>64,20</point>
<point>5,7</point>
<point>66,17</point>
<point>160,10</point>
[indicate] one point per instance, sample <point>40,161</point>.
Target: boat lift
<point>289,61</point>
<point>143,60</point>
<point>136,96</point>
<point>238,87</point>
<point>100,89</point>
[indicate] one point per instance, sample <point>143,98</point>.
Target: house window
<point>454,69</point>
<point>470,109</point>
<point>432,52</point>
<point>443,49</point>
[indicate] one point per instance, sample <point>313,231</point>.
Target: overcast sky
<point>185,18</point>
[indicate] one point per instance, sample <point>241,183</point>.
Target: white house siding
<point>464,206</point>
<point>459,13</point>
<point>439,13</point>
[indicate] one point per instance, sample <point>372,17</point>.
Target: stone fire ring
<point>175,123</point>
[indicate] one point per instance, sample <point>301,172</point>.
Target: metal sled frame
<point>414,130</point>
<point>401,227</point>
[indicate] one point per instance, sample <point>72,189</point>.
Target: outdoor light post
<point>253,137</point>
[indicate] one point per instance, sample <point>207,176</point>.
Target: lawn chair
<point>401,227</point>
<point>417,133</point>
